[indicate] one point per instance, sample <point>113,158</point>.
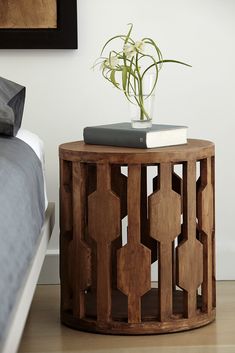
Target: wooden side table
<point>106,285</point>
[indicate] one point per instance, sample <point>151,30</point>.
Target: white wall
<point>64,95</point>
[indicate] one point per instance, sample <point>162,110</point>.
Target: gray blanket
<point>21,219</point>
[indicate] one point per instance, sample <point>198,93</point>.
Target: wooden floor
<point>44,333</point>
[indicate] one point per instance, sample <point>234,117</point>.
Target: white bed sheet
<point>38,146</point>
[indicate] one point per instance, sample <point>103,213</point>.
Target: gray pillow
<point>12,97</point>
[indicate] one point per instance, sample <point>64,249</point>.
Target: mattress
<point>22,213</point>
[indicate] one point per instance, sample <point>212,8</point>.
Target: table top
<point>79,151</point>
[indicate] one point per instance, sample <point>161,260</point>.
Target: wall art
<point>38,24</point>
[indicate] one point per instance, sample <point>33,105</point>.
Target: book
<point>123,135</point>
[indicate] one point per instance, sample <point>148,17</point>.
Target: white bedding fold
<point>38,146</point>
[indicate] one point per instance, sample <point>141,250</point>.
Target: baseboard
<point>50,269</point>
<point>225,263</point>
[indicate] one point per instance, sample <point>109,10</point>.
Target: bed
<point>26,224</point>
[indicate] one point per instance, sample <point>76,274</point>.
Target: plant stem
<point>141,101</point>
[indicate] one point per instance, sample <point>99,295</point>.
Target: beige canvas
<point>28,14</point>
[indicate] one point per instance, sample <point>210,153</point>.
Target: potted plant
<point>134,69</point>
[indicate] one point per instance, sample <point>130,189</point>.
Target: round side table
<point>105,284</point>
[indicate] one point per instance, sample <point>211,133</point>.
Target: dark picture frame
<point>64,36</point>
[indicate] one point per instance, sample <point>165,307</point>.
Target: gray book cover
<point>123,135</point>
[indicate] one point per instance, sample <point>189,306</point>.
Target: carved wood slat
<point>81,252</point>
<point>103,227</point>
<point>189,251</point>
<point>145,237</point>
<point>213,235</point>
<point>91,184</point>
<point>144,231</point>
<point>119,186</point>
<point>66,226</point>
<point>177,186</point>
<point>165,204</point>
<point>134,259</point>
<point>206,225</point>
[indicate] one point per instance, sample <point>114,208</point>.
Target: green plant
<point>126,68</point>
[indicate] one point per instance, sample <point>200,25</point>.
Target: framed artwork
<point>38,24</point>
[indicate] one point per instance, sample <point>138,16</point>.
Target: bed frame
<point>25,296</point>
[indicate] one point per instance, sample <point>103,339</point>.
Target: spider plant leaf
<point>128,98</point>
<point>96,64</point>
<point>129,76</point>
<point>155,63</point>
<point>173,61</point>
<point>124,78</point>
<point>99,61</point>
<point>156,76</point>
<point>108,41</point>
<point>131,72</point>
<point>113,80</point>
<point>129,33</point>
<point>129,61</point>
<point>137,66</point>
<point>105,74</point>
<point>151,42</point>
<point>148,68</point>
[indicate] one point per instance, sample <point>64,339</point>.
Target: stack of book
<point>123,135</point>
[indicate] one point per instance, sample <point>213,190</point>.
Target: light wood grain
<point>190,251</point>
<point>134,259</point>
<point>78,150</point>
<point>148,241</point>
<point>81,278</point>
<point>119,187</point>
<point>165,226</point>
<point>206,228</point>
<point>44,333</point>
<point>28,14</point>
<point>103,227</point>
<point>66,231</point>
